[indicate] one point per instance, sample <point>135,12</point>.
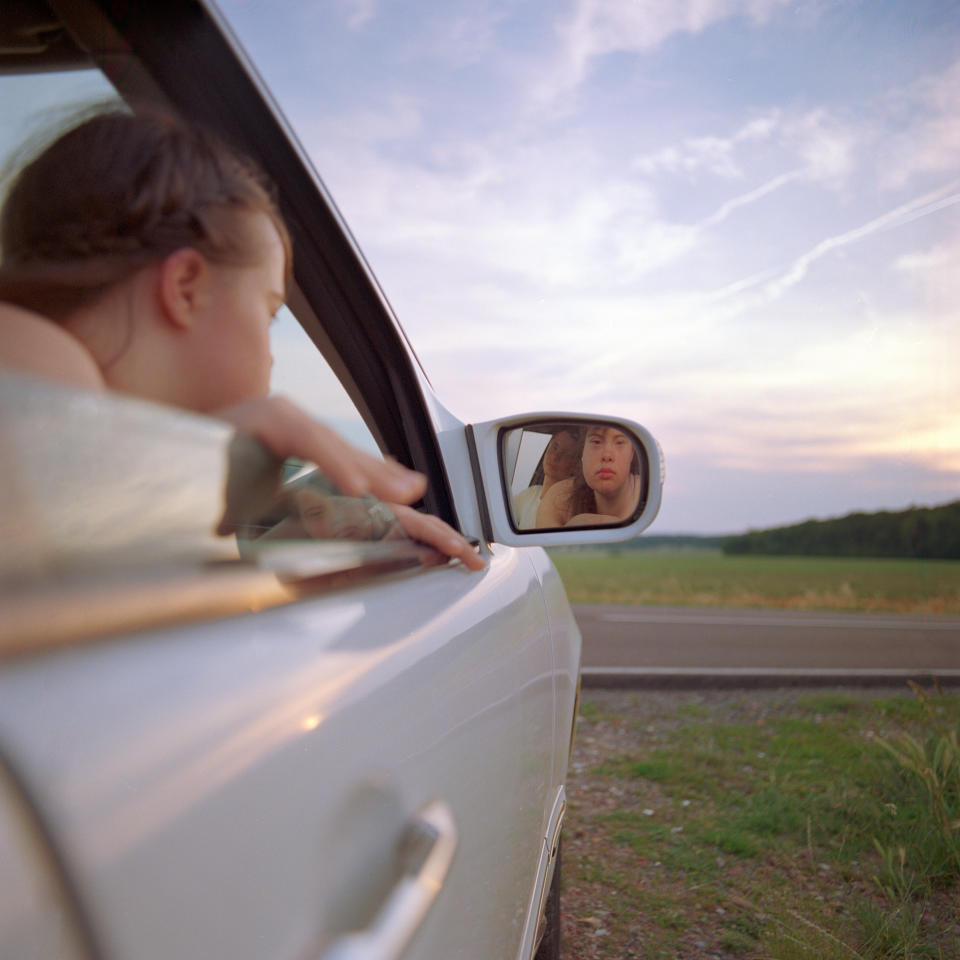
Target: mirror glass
<point>562,474</point>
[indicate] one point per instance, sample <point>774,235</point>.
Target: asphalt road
<point>634,645</point>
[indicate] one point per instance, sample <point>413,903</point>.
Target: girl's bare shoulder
<point>31,344</point>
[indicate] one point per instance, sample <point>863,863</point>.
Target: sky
<point>736,222</point>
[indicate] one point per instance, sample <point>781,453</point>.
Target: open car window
<point>101,487</point>
<point>109,514</point>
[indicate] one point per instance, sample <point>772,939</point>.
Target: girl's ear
<point>183,287</point>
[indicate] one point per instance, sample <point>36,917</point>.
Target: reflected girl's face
<point>560,457</point>
<point>607,455</point>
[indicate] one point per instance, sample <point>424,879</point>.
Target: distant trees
<point>929,532</point>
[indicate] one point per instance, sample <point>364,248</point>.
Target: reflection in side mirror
<point>564,474</point>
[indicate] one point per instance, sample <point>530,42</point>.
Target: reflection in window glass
<point>37,104</point>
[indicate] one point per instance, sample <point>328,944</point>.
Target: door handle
<point>427,846</point>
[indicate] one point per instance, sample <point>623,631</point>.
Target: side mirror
<point>564,478</point>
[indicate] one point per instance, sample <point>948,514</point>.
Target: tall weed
<point>931,768</point>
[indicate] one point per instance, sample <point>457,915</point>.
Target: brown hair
<point>117,192</point>
<point>539,474</point>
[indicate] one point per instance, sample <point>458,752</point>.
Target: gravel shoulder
<point>600,920</point>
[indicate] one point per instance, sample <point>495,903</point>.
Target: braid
<point>139,188</point>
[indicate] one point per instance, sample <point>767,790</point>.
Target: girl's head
<point>560,457</point>
<point>120,195</point>
<point>609,459</point>
<point>608,462</point>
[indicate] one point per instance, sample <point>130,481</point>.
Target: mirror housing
<point>502,466</point>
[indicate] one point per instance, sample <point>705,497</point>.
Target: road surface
<point>643,644</point>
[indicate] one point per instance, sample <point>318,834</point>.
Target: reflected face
<point>607,455</point>
<point>560,457</point>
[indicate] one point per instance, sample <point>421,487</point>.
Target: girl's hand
<point>431,530</point>
<point>325,517</point>
<point>288,431</point>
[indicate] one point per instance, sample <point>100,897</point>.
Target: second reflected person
<point>605,490</point>
<point>560,461</point>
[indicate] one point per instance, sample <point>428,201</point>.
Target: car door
<point>226,766</point>
<point>240,787</point>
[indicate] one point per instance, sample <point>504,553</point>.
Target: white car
<point>221,749</point>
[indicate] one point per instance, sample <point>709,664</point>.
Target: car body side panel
<point>238,788</point>
<point>567,645</point>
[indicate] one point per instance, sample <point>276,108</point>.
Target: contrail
<point>913,210</point>
<point>724,210</point>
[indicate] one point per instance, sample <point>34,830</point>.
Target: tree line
<point>928,532</point>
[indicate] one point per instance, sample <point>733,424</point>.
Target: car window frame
<point>358,336</point>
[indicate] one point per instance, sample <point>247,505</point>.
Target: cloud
<point>915,130</point>
<point>546,213</point>
<point>464,33</point>
<point>712,154</point>
<point>358,13</point>
<point>824,145</point>
<point>599,27</point>
<point>922,130</point>
<point>819,145</point>
<point>934,271</point>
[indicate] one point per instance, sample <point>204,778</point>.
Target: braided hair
<point>120,191</point>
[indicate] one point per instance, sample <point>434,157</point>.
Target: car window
<point>35,107</point>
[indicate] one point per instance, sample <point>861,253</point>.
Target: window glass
<point>37,104</point>
<point>35,107</point>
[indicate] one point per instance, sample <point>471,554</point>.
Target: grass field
<point>709,578</point>
<point>775,825</point>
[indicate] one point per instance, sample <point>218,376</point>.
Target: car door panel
<point>567,645</point>
<point>238,788</point>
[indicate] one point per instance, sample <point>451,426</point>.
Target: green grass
<point>709,578</point>
<point>795,835</point>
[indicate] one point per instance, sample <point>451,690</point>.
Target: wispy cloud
<point>358,12</point>
<point>709,153</point>
<point>599,27</point>
<point>921,132</point>
<point>934,271</point>
<point>465,33</point>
